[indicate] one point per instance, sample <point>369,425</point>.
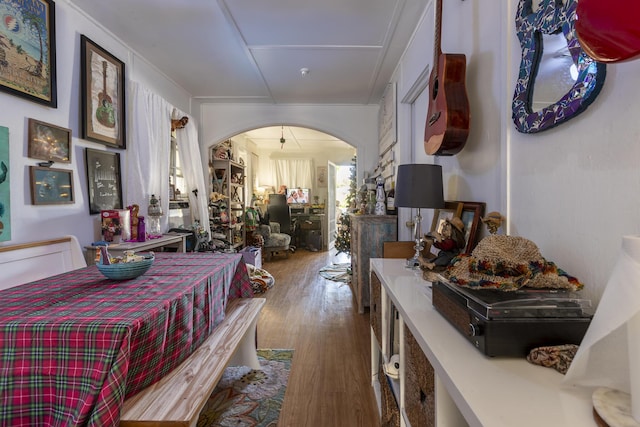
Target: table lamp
<point>419,186</point>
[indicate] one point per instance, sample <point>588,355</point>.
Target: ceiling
<point>297,139</point>
<point>253,51</point>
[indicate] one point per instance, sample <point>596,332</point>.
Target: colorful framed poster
<point>28,50</point>
<point>5,196</point>
<point>103,95</point>
<point>48,142</point>
<point>51,186</point>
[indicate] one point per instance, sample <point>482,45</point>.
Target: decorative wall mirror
<point>565,78</point>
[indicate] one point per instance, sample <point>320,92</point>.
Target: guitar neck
<point>104,76</point>
<point>437,49</point>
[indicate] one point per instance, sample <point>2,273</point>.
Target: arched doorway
<point>262,150</point>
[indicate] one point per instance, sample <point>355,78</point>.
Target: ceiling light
<point>282,140</point>
<point>304,71</point>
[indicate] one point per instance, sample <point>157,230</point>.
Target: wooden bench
<point>26,262</point>
<point>178,398</point>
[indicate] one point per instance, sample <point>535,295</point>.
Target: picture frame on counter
<point>451,210</point>
<point>471,216</point>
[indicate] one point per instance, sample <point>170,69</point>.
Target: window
<point>177,184</point>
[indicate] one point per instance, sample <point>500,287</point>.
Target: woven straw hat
<point>508,263</point>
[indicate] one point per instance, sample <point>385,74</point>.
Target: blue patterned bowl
<point>126,271</point>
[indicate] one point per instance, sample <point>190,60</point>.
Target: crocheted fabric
<point>508,263</point>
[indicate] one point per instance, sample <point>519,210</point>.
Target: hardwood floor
<point>330,380</point>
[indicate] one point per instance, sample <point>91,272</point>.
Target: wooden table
<point>92,342</point>
<point>177,240</point>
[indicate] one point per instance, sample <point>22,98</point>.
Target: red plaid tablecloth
<point>74,346</point>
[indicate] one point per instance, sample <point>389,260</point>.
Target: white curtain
<point>292,173</point>
<point>148,150</point>
<point>189,150</point>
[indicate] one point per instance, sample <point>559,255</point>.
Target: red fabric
<point>74,346</point>
<point>608,30</point>
<point>446,245</point>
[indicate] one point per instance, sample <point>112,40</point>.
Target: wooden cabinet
<point>443,379</point>
<point>368,232</point>
<point>227,214</point>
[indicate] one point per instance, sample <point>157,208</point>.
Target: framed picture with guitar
<point>103,95</point>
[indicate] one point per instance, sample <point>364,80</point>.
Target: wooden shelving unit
<point>227,215</point>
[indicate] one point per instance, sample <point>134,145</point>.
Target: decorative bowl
<point>126,270</point>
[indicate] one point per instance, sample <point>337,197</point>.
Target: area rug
<point>338,272</point>
<point>249,398</point>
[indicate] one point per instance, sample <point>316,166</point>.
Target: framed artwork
<point>451,210</point>
<point>48,142</point>
<point>104,182</point>
<point>471,214</point>
<point>387,127</point>
<point>28,50</point>
<point>321,175</point>
<point>51,186</point>
<point>5,187</point>
<point>103,95</point>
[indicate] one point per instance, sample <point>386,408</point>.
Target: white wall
<point>573,189</point>
<point>474,174</point>
<point>28,222</point>
<point>356,125</point>
<point>339,156</point>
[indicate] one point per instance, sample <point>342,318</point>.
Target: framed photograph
<point>103,180</point>
<point>451,210</point>
<point>28,50</point>
<point>103,95</point>
<point>48,142</point>
<point>51,186</point>
<point>471,214</point>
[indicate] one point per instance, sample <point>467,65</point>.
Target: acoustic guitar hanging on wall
<point>447,126</point>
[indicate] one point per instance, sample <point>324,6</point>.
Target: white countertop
<point>489,392</point>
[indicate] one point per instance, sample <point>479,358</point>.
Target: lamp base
<point>413,262</point>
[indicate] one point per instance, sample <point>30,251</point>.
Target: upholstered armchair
<point>275,242</point>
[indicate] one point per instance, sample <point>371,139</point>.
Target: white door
<point>331,204</point>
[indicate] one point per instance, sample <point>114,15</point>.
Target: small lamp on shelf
<point>419,186</point>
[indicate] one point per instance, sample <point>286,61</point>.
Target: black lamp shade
<point>419,186</point>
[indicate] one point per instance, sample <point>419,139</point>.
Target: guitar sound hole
<point>434,92</point>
